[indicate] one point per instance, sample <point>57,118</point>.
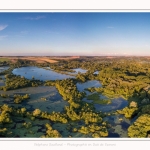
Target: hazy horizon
<point>75,34</point>
<point>68,54</point>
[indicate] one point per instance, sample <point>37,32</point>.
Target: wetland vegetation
<point>81,97</point>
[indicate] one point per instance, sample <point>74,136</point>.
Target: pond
<point>2,80</point>
<point>36,128</point>
<point>45,98</point>
<point>119,126</point>
<point>2,83</point>
<point>96,72</point>
<point>39,73</point>
<point>92,83</point>
<point>52,101</point>
<point>117,103</point>
<point>3,68</point>
<point>77,70</point>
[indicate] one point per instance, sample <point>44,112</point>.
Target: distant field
<point>4,59</point>
<point>38,59</point>
<point>67,57</point>
<point>35,59</point>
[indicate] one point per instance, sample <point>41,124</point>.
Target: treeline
<point>67,88</point>
<point>79,110</point>
<point>4,63</point>
<point>16,82</point>
<point>131,80</point>
<point>25,63</point>
<point>91,65</point>
<point>8,113</point>
<point>83,77</point>
<point>8,71</point>
<point>140,128</point>
<point>94,126</point>
<point>17,98</point>
<point>128,79</point>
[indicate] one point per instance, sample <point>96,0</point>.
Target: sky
<point>75,33</point>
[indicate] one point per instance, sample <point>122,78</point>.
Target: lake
<point>40,73</point>
<point>53,101</point>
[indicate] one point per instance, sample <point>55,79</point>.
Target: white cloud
<point>2,27</point>
<point>35,18</point>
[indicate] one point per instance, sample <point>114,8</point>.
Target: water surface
<point>117,103</point>
<point>119,126</point>
<point>77,70</point>
<point>96,72</point>
<point>3,68</point>
<point>40,73</point>
<point>45,98</point>
<point>92,83</point>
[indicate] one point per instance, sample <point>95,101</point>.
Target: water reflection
<point>119,125</point>
<point>40,73</point>
<point>3,68</point>
<point>117,103</point>
<point>88,84</point>
<point>77,70</point>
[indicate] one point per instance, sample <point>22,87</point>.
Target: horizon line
<point>75,55</point>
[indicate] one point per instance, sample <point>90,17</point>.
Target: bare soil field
<point>37,59</point>
<point>67,57</point>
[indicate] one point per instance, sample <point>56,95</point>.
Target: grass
<point>4,59</point>
<point>97,100</point>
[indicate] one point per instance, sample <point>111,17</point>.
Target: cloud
<point>2,27</point>
<point>110,27</point>
<point>34,18</point>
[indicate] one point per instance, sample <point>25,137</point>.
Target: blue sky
<point>75,34</point>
